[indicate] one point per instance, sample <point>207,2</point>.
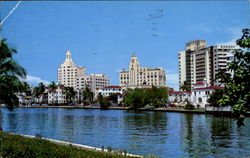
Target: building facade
<point>75,76</point>
<point>201,92</point>
<point>68,72</point>
<point>179,97</point>
<point>199,63</point>
<point>56,96</point>
<point>138,76</point>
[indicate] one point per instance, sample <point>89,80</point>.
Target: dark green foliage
<point>139,98</point>
<point>53,86</point>
<point>69,93</point>
<point>14,146</point>
<point>189,106</point>
<point>10,70</point>
<point>185,86</point>
<point>38,92</point>
<point>215,97</point>
<point>88,95</point>
<point>135,98</point>
<point>113,98</point>
<point>103,101</point>
<point>237,85</point>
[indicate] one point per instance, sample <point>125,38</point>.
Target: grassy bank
<point>16,146</point>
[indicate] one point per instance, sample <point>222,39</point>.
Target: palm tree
<point>69,93</point>
<point>185,86</point>
<point>24,91</point>
<point>10,72</point>
<point>52,88</point>
<point>39,92</point>
<point>88,95</point>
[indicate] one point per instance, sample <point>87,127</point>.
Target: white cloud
<point>173,80</point>
<point>35,80</point>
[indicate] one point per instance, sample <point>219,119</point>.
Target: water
<point>159,133</point>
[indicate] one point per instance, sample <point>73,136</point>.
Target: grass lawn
<point>16,146</point>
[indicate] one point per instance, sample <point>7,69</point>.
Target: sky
<point>103,35</point>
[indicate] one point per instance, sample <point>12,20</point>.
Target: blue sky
<point>102,35</point>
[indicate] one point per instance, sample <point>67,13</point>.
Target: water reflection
<point>159,133</point>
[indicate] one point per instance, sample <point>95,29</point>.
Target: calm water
<point>159,133</point>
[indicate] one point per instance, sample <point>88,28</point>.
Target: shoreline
<point>80,146</point>
<point>176,110</point>
<point>199,111</point>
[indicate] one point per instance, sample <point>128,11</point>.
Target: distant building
<point>56,96</point>
<point>201,92</point>
<point>68,72</point>
<point>75,76</point>
<point>93,81</point>
<point>109,90</point>
<point>179,97</point>
<point>198,62</point>
<point>138,76</point>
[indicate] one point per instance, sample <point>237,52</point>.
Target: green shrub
<point>189,106</point>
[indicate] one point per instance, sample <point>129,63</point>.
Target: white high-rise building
<point>68,72</point>
<point>138,76</point>
<point>200,63</point>
<point>182,67</point>
<point>75,76</point>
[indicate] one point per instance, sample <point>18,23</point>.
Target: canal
<point>159,133</point>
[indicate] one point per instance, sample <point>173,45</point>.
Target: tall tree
<point>135,98</point>
<point>39,92</point>
<point>10,72</point>
<point>103,101</point>
<point>185,86</point>
<point>87,95</point>
<point>214,97</point>
<point>237,86</point>
<point>69,93</point>
<point>52,88</point>
<point>24,90</point>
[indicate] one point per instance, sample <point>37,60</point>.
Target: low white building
<point>109,90</point>
<point>179,97</point>
<point>57,96</point>
<point>201,92</point>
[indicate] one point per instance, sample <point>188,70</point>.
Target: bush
<point>189,106</point>
<point>104,103</point>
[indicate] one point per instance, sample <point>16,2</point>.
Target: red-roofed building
<point>109,90</point>
<point>201,92</point>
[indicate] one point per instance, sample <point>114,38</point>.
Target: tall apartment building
<point>75,76</point>
<point>68,72</point>
<point>138,76</point>
<point>200,63</point>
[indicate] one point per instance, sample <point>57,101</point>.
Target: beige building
<point>68,72</point>
<point>75,76</point>
<point>138,76</point>
<point>199,63</point>
<point>93,81</point>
